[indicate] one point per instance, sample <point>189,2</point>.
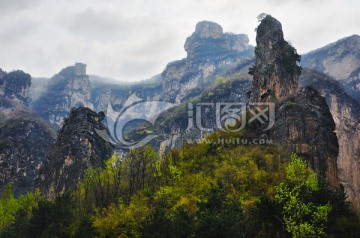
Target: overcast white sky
<point>132,40</point>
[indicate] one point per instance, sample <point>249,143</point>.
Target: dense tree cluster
<point>202,190</point>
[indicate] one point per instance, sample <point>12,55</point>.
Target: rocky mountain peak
<point>80,69</point>
<point>275,72</point>
<point>68,89</point>
<point>74,71</point>
<point>209,39</point>
<point>208,29</point>
<point>269,32</point>
<point>210,54</point>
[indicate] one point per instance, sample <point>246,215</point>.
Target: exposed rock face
<point>68,89</point>
<point>210,53</point>
<point>305,125</point>
<point>15,86</point>
<point>77,148</point>
<point>346,114</point>
<point>340,60</point>
<point>303,121</point>
<point>275,71</point>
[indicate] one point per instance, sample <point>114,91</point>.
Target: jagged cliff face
<point>340,60</point>
<point>303,122</point>
<point>305,125</point>
<point>346,114</point>
<point>15,86</point>
<point>68,89</point>
<point>210,53</point>
<point>77,148</point>
<point>276,72</point>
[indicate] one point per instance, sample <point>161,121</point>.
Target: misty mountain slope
<point>116,93</point>
<point>341,60</point>
<point>210,54</point>
<point>70,88</point>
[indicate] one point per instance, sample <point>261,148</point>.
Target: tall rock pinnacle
<point>77,148</point>
<point>275,72</point>
<point>303,122</point>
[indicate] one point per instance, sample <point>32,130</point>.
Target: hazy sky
<point>134,39</point>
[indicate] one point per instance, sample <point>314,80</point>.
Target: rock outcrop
<point>77,148</point>
<point>68,89</point>
<point>275,71</point>
<point>346,114</point>
<point>210,53</point>
<point>209,40</point>
<point>303,122</point>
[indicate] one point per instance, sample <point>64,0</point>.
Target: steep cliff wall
<point>346,114</point>
<point>305,125</point>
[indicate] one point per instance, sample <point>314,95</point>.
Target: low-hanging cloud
<point>135,39</point>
